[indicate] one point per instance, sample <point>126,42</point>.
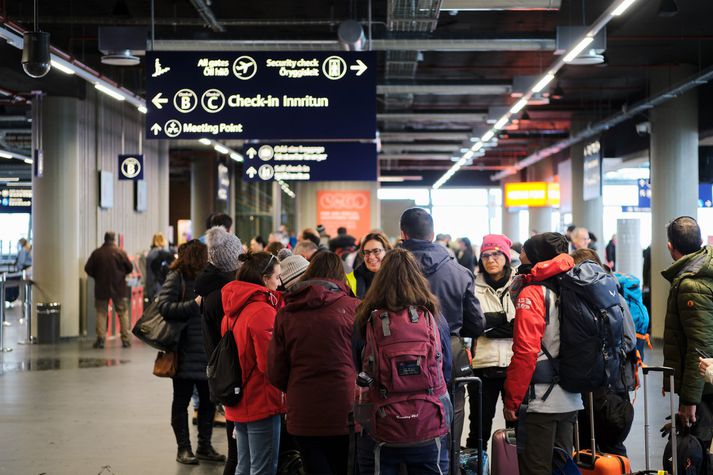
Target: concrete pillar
<point>203,192</point>
<point>58,198</point>
<point>629,257</point>
<point>541,218</point>
<point>674,176</point>
<point>585,213</point>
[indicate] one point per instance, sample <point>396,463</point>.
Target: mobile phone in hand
<point>702,353</point>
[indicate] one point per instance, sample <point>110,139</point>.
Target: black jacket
<point>363,278</point>
<point>208,285</point>
<point>454,286</point>
<point>176,302</point>
<point>109,265</point>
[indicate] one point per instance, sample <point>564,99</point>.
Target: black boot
<point>99,343</point>
<point>209,453</point>
<point>185,455</point>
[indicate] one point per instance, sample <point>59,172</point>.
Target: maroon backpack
<point>407,390</point>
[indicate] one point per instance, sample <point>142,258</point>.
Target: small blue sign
<point>644,194</point>
<point>705,195</point>
<point>274,95</point>
<point>131,167</point>
<point>328,161</point>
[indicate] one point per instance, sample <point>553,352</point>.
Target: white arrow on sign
<point>251,172</point>
<point>159,101</point>
<point>251,153</point>
<point>156,129</point>
<point>359,67</point>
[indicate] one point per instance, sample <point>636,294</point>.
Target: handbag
<point>156,331</point>
<point>165,364</point>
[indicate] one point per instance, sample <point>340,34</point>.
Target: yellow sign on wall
<point>532,194</point>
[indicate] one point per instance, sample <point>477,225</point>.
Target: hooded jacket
<point>452,284</point>
<point>208,285</point>
<point>530,334</point>
<point>310,357</point>
<point>498,309</point>
<point>689,322</point>
<point>176,302</point>
<point>250,311</point>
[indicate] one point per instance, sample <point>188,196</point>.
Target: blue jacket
<point>454,286</point>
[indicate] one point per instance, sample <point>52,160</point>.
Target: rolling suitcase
<point>470,462</point>
<point>592,463</point>
<point>503,453</point>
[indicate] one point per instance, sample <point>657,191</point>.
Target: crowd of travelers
<point>349,350</point>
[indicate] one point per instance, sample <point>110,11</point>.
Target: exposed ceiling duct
<point>445,89</point>
<point>416,136</point>
<point>410,47</point>
<point>469,5</point>
<point>465,117</point>
<point>208,16</point>
<point>417,147</point>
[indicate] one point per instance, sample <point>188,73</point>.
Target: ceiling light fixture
<point>205,141</point>
<point>142,109</point>
<point>623,6</point>
<point>487,136</point>
<point>543,82</point>
<point>519,105</point>
<point>221,149</point>
<point>586,41</point>
<point>501,123</point>
<point>110,92</point>
<point>6,155</point>
<point>236,156</point>
<point>61,67</point>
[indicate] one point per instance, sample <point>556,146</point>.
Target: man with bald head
<point>580,238</point>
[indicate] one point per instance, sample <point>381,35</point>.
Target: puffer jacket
<point>532,331</point>
<point>689,322</point>
<point>208,285</point>
<point>310,357</point>
<point>176,302</point>
<point>452,284</point>
<point>250,311</point>
<point>499,311</point>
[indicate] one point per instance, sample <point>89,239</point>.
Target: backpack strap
<point>546,371</point>
<point>413,314</point>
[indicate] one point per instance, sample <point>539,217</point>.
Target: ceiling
<point>423,127</point>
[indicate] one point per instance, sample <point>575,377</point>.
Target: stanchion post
<point>27,308</point>
<point>3,280</point>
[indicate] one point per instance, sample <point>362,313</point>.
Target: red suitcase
<point>592,463</point>
<point>503,453</point>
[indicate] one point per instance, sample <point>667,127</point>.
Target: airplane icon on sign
<point>159,70</point>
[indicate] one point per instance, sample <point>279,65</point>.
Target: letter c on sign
<point>340,201</point>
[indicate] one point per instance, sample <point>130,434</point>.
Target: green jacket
<point>689,322</point>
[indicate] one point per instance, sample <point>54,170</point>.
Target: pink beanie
<point>496,242</point>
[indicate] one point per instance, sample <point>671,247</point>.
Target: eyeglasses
<point>372,252</point>
<point>490,255</point>
<point>272,257</point>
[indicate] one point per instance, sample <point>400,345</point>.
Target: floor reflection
<point>49,364</point>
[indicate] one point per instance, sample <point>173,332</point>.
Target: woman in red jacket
<point>250,305</point>
<point>310,359</point>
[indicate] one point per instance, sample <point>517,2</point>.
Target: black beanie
<point>545,246</point>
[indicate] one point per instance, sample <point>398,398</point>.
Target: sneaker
<point>209,453</point>
<point>185,456</point>
<point>99,343</point>
<point>126,344</point>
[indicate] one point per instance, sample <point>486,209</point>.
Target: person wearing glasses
<point>310,359</point>
<point>373,248</point>
<point>251,303</point>
<point>493,350</point>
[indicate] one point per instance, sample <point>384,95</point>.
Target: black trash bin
<point>48,322</point>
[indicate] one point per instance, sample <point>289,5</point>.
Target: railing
<point>11,280</point>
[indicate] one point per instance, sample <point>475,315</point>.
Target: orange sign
<point>532,194</point>
<point>349,209</point>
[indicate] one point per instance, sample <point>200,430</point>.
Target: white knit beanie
<point>223,249</point>
<point>292,269</point>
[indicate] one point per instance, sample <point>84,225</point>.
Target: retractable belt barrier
<point>13,280</point>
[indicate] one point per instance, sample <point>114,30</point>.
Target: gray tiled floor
<point>70,409</point>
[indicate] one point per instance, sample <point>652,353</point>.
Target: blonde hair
<point>159,240</point>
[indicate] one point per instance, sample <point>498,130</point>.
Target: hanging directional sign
<point>326,161</point>
<point>261,95</point>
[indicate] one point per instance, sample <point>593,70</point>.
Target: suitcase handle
<point>658,369</point>
<point>455,444</point>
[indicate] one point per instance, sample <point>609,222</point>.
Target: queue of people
<point>308,335</point>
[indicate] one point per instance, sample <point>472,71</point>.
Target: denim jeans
<point>420,460</point>
<point>258,446</point>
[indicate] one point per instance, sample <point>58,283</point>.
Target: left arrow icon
<point>359,67</point>
<point>159,101</point>
<point>156,129</point>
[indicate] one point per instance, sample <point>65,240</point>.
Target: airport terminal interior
<point>138,117</point>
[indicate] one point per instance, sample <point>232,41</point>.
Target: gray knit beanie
<point>292,269</point>
<point>223,249</point>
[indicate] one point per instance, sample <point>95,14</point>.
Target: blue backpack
<point>631,290</point>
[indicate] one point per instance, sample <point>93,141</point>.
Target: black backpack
<point>225,376</point>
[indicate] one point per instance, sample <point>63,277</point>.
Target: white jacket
<point>493,352</point>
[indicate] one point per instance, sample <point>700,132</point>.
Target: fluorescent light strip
<point>501,123</point>
<point>221,149</point>
<point>236,156</point>
<point>518,106</point>
<point>142,109</point>
<point>205,141</point>
<point>6,155</point>
<point>61,67</point>
<point>487,136</point>
<point>110,92</point>
<point>468,154</point>
<point>543,82</point>
<point>623,6</point>
<point>578,49</point>
<point>477,146</point>
<point>28,161</point>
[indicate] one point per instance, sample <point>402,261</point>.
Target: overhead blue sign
<point>261,95</point>
<point>15,200</point>
<point>705,195</point>
<point>310,161</point>
<point>644,194</point>
<point>131,167</point>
